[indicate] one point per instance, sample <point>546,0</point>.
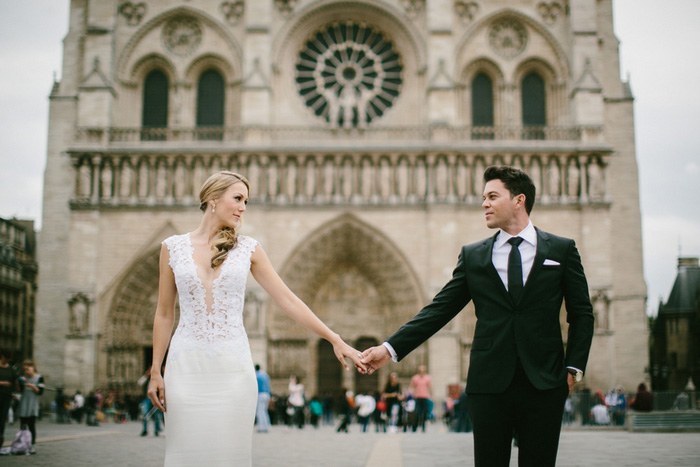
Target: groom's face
<point>499,207</point>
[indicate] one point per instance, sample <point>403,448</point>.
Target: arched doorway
<point>129,328</point>
<point>330,373</point>
<point>357,282</point>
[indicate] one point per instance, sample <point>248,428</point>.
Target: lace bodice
<point>221,327</point>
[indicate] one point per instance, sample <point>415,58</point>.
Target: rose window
<point>349,74</point>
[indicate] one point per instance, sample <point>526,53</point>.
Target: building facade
<point>675,338</point>
<point>18,287</point>
<point>364,128</point>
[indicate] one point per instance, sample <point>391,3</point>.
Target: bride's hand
<point>156,392</point>
<point>343,351</point>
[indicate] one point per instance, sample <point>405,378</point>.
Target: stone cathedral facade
<point>364,127</point>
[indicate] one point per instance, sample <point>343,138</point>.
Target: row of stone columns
<point>119,180</point>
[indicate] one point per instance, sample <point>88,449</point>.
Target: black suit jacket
<point>506,331</point>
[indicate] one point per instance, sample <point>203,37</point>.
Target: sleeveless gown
<point>210,384</point>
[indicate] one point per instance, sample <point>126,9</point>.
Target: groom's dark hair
<point>516,181</point>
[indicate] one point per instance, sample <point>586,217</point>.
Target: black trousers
<point>30,422</point>
<point>533,415</point>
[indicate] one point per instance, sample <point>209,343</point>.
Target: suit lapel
<point>540,255</point>
<point>487,262</point>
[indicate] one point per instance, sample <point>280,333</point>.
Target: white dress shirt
<point>527,248</point>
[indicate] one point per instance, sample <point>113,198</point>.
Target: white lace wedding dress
<point>210,385</point>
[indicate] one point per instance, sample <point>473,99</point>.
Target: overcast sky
<point>659,50</point>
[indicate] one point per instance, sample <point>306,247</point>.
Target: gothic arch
<point>347,242</point>
<point>319,13</point>
<point>291,39</point>
<point>561,66</point>
<point>358,283</point>
<point>127,56</point>
<point>211,61</point>
<point>493,71</point>
<point>150,62</point>
<point>129,325</point>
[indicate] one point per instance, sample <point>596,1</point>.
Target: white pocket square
<point>550,262</point>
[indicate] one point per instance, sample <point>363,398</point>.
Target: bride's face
<point>232,204</point>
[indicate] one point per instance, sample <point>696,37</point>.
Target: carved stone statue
<point>553,179</point>
<point>572,180</point>
<point>596,180</point>
<point>79,306</point>
<point>601,304</point>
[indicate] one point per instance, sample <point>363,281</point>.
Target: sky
<point>658,42</point>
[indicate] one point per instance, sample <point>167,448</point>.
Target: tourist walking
<point>422,390</point>
<point>31,387</point>
<point>261,413</point>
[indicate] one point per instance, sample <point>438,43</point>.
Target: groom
<point>519,375</point>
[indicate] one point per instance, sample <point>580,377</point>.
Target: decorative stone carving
<point>601,306</point>
<point>549,11</point>
<point>252,312</point>
<point>84,181</point>
<point>107,181</point>
<point>301,179</point>
<point>79,306</point>
<point>182,35</point>
<point>466,10</point>
<point>572,179</point>
<point>596,180</point>
<point>285,6</point>
<point>413,7</point>
<point>233,11</point>
<point>553,179</point>
<point>349,74</point>
<point>508,37</point>
<point>133,12</point>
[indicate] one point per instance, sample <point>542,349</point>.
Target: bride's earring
<point>213,207</point>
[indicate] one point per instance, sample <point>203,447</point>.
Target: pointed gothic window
<point>210,105</point>
<point>533,106</point>
<point>155,106</point>
<point>482,107</point>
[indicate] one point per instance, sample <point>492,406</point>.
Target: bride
<point>209,391</point>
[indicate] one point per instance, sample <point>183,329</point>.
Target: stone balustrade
<point>293,135</point>
<point>124,179</point>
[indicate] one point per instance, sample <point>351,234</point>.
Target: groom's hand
<point>375,357</point>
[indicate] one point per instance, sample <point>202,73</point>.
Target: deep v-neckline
<point>200,282</point>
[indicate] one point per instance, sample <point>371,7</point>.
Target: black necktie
<point>515,269</point>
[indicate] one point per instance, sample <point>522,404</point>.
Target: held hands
<point>375,358</point>
<point>343,351</point>
<point>571,382</point>
<point>156,391</point>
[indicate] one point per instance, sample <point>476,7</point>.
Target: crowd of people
<point>392,409</point>
<point>596,408</point>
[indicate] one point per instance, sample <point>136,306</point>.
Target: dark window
<point>155,106</point>
<point>533,105</point>
<point>482,107</point>
<point>210,105</point>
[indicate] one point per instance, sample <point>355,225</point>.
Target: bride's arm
<point>162,327</point>
<point>295,308</point>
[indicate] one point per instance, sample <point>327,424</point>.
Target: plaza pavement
<point>116,445</point>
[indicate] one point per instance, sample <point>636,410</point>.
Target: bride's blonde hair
<point>214,188</point>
